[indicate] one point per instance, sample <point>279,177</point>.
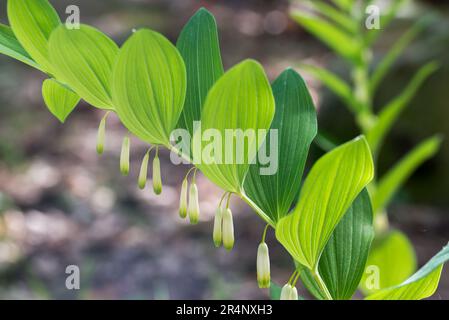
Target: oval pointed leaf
<point>32,22</point>
<point>59,99</point>
<point>419,286</point>
<point>393,258</point>
<point>241,101</point>
<point>10,46</point>
<point>296,126</point>
<point>199,46</point>
<point>332,185</point>
<point>149,86</point>
<point>83,59</point>
<point>343,260</point>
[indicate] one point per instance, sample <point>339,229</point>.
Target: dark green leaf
<point>199,46</point>
<point>343,260</point>
<point>296,126</point>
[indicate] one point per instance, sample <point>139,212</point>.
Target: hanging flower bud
<point>144,171</point>
<point>157,180</point>
<point>183,200</point>
<point>228,230</point>
<point>294,294</point>
<point>101,135</point>
<point>286,292</point>
<point>218,225</point>
<point>289,292</point>
<point>263,266</point>
<point>124,157</point>
<point>194,206</point>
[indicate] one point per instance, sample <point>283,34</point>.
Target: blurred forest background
<point>61,204</point>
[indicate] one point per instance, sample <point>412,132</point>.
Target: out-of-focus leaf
<point>83,59</point>
<point>391,112</point>
<point>200,48</point>
<point>385,65</point>
<point>391,260</point>
<point>332,185</point>
<point>11,47</point>
<point>343,260</point>
<point>275,291</point>
<point>32,22</point>
<point>324,142</point>
<point>296,126</point>
<point>339,17</point>
<point>339,41</point>
<point>149,86</point>
<point>344,4</point>
<point>396,177</point>
<point>241,100</point>
<point>373,34</point>
<point>59,99</point>
<point>419,286</point>
<point>334,83</point>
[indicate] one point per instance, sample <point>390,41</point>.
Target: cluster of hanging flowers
<point>124,159</point>
<point>223,232</point>
<point>223,229</point>
<point>189,206</point>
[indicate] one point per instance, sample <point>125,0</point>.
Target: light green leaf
<point>296,125</point>
<point>199,46</point>
<point>59,99</point>
<point>393,180</point>
<point>392,260</point>
<point>391,112</point>
<point>332,185</point>
<point>11,47</point>
<point>149,86</point>
<point>32,22</point>
<point>339,41</point>
<point>334,83</point>
<point>83,59</point>
<point>419,286</point>
<point>343,260</point>
<point>385,65</point>
<point>242,101</point>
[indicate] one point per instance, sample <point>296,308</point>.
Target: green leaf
<point>391,112</point>
<point>83,59</point>
<point>199,46</point>
<point>59,99</point>
<point>385,65</point>
<point>419,286</point>
<point>334,83</point>
<point>149,86</point>
<point>332,185</point>
<point>296,125</point>
<point>392,260</point>
<point>393,180</point>
<point>343,260</point>
<point>241,100</point>
<point>32,22</point>
<point>339,41</point>
<point>11,47</point>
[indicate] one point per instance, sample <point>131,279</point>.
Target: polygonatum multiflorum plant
<point>156,88</point>
<point>350,29</point>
